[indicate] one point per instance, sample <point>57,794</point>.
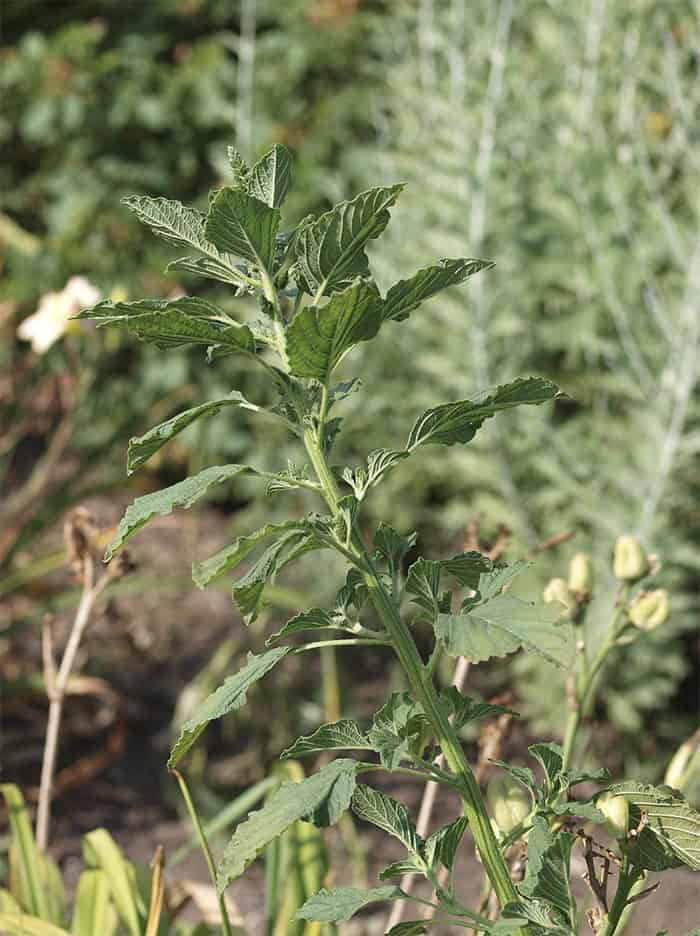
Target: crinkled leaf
<point>494,582</point>
<point>318,337</point>
<point>522,774</point>
<point>344,735</point>
<point>271,176</point>
<point>504,625</point>
<point>141,448</point>
<point>379,463</point>
<point>518,912</point>
<point>161,503</point>
<point>385,813</point>
<point>392,546</point>
<point>184,227</point>
<point>232,555</point>
<point>408,928</point>
<point>586,811</point>
<point>423,584</point>
<point>408,294</point>
<point>468,568</point>
<point>411,864</point>
<point>231,695</point>
<point>244,226</point>
<point>441,847</point>
<point>671,836</point>
<point>569,778</point>
<point>397,729</point>
<point>548,859</point>
<point>320,798</point>
<point>550,756</point>
<point>172,323</point>
<point>311,620</point>
<point>338,904</point>
<point>330,250</point>
<point>464,710</point>
<point>459,422</point>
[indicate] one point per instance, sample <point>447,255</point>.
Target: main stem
<point>424,689</point>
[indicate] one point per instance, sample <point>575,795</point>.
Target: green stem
<point>587,680</point>
<point>194,815</point>
<point>424,690</point>
<point>629,876</point>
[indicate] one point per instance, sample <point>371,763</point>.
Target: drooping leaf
<point>518,912</point>
<point>408,294</point>
<point>338,904</point>
<point>459,422</point>
<point>330,250</point>
<point>318,337</point>
<point>248,590</point>
<point>504,625</point>
<point>548,860</point>
<point>671,836</point>
<point>344,735</point>
<point>385,813</point>
<point>141,448</point>
<point>464,710</point>
<point>228,558</point>
<point>409,928</point>
<point>571,777</point>
<point>230,696</point>
<point>314,618</point>
<point>184,227</point>
<point>172,323</point>
<point>441,847</point>
<point>244,226</point>
<point>320,798</point>
<point>468,568</point>
<point>586,811</point>
<point>522,774</point>
<point>161,503</point>
<point>270,178</point>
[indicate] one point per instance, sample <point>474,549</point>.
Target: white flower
<point>56,309</point>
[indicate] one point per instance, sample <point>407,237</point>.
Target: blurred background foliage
<point>558,139</point>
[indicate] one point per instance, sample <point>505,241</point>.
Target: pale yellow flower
<point>52,319</point>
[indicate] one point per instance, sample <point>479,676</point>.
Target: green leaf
<point>101,851</point>
<point>318,337</point>
<point>161,503</point>
<point>227,698</point>
<point>586,811</point>
<point>320,798</point>
<point>242,225</point>
<point>465,710</point>
<point>459,422</point>
<point>409,928</point>
<point>570,777</point>
<point>423,584</point>
<point>493,583</point>
<point>330,250</point>
<point>408,294</point>
<point>314,618</point>
<point>671,836</point>
<point>270,178</point>
<point>522,774</point>
<point>23,925</point>
<point>519,912</point>
<point>379,463</point>
<point>174,323</point>
<point>551,758</point>
<point>141,448</point>
<point>392,546</point>
<point>248,590</point>
<point>548,859</point>
<point>385,813</point>
<point>441,847</point>
<point>32,892</point>
<point>468,568</point>
<point>338,904</point>
<point>344,735</point>
<point>504,625</point>
<point>232,555</point>
<point>184,227</point>
<point>93,910</point>
<point>397,730</point>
